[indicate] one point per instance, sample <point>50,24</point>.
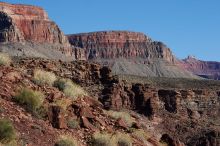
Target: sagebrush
<point>123,115</point>
<point>102,139</point>
<point>122,139</point>
<point>42,77</point>
<point>7,131</point>
<point>66,141</point>
<point>32,100</point>
<point>5,59</point>
<point>70,89</point>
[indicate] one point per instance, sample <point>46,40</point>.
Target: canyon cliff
<point>127,52</point>
<point>120,44</point>
<point>30,25</point>
<point>207,69</point>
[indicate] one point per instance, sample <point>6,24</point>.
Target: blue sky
<point>188,27</point>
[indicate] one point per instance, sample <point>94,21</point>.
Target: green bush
<point>69,88</point>
<point>66,141</point>
<point>31,99</point>
<point>73,123</point>
<point>123,115</point>
<point>4,59</point>
<point>102,139</point>
<point>7,132</point>
<point>123,139</point>
<point>60,83</point>
<point>42,77</point>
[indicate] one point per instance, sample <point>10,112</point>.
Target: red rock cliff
<point>21,23</point>
<point>208,69</point>
<point>119,44</point>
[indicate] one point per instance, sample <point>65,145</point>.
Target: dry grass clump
<point>123,115</point>
<point>70,89</point>
<point>140,134</point>
<point>7,132</point>
<point>163,144</point>
<point>66,141</point>
<point>122,139</point>
<point>102,139</point>
<point>32,100</point>
<point>42,77</point>
<point>5,59</point>
<point>105,139</point>
<point>64,103</point>
<point>73,123</point>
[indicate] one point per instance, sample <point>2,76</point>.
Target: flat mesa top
<point>26,10</point>
<point>19,5</point>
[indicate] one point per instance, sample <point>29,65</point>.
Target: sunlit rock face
<point>130,53</point>
<point>120,44</point>
<point>207,69</point>
<point>22,23</point>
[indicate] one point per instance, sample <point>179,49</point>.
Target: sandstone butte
<point>207,69</point>
<point>119,44</point>
<point>109,46</point>
<point>25,23</point>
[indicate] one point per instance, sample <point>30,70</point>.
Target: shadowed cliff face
<point>120,44</point>
<point>22,23</point>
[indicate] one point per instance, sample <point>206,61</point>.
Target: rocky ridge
<point>128,53</point>
<point>207,69</point>
<point>175,116</point>
<point>120,44</point>
<point>30,26</point>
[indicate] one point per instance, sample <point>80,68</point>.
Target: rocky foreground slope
<point>27,31</point>
<point>128,53</point>
<point>164,115</point>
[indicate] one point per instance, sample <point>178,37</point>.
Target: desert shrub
<point>64,103</point>
<point>123,115</point>
<point>66,141</point>
<point>122,139</point>
<point>4,59</point>
<point>41,112</point>
<point>73,123</point>
<point>69,88</point>
<point>7,132</point>
<point>60,83</point>
<point>42,77</point>
<point>140,134</point>
<point>32,100</point>
<point>102,139</point>
<point>163,144</point>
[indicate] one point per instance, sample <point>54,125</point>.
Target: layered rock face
<point>129,53</point>
<point>120,44</point>
<point>189,116</point>
<point>207,69</point>
<point>24,23</point>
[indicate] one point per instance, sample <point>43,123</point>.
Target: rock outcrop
<point>24,23</point>
<point>207,69</point>
<point>120,44</point>
<point>127,53</point>
<point>178,113</point>
<point>172,114</point>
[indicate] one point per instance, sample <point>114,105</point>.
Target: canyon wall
<point>120,44</point>
<point>207,69</point>
<point>24,23</point>
<point>129,53</point>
